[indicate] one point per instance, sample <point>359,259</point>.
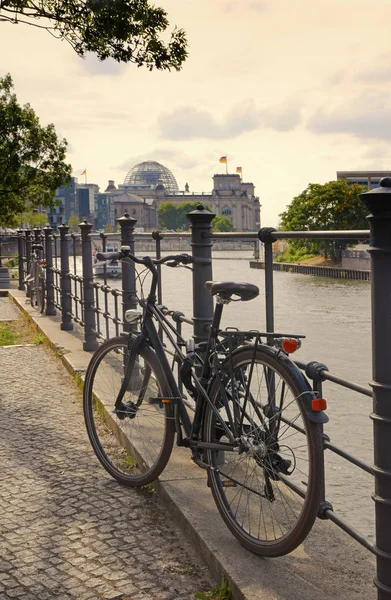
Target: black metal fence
<point>85,301</point>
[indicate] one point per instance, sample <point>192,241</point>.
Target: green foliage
<point>173,216</point>
<point>293,255</point>
<point>73,223</point>
<point>29,218</point>
<point>219,592</point>
<point>332,206</point>
<point>7,336</point>
<point>125,30</point>
<point>32,158</point>
<point>222,224</point>
<point>108,228</point>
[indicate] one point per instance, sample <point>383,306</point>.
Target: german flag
<point>223,160</point>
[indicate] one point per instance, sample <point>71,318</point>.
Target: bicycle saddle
<point>227,289</point>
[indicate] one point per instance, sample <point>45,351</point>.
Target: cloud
<point>366,117</point>
<point>93,66</point>
<point>229,6</point>
<point>189,122</point>
<point>169,157</point>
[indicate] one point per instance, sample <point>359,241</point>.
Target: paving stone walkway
<point>67,529</point>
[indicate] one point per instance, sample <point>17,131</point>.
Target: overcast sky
<point>290,91</point>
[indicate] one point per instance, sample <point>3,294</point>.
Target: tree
<point>30,219</point>
<point>222,224</point>
<point>173,216</point>
<point>73,224</point>
<point>125,30</point>
<point>332,206</point>
<point>32,163</point>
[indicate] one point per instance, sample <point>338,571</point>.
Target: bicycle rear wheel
<point>40,294</point>
<point>134,444</point>
<point>268,490</point>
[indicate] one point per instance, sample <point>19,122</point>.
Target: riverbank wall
<point>318,271</point>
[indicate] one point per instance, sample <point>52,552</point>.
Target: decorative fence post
<point>20,259</point>
<point>50,309</point>
<point>157,236</point>
<point>90,342</point>
<point>129,298</point>
<point>266,236</point>
<point>378,201</point>
<point>65,281</point>
<point>201,233</point>
<point>28,257</point>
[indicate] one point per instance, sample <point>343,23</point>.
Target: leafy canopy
<point>173,216</point>
<point>125,30</point>
<point>32,158</point>
<point>332,206</point>
<point>222,224</point>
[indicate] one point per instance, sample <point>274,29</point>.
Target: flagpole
<point>226,166</point>
<point>85,175</point>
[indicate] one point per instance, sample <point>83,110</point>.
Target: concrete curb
<point>328,565</point>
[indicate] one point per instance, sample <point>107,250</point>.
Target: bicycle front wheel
<point>135,444</point>
<point>268,489</point>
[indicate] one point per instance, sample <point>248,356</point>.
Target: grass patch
<point>22,331</point>
<point>8,337</point>
<point>219,592</point>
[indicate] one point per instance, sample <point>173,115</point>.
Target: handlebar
<point>171,261</point>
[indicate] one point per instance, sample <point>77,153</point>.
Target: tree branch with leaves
<point>125,30</point>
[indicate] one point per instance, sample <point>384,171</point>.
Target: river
<point>334,315</point>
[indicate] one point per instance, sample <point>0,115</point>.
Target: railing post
<point>129,298</point>
<point>28,257</point>
<point>65,281</point>
<point>201,232</point>
<point>378,201</point>
<point>50,309</point>
<point>20,260</point>
<point>157,236</point>
<point>266,236</point>
<point>90,342</point>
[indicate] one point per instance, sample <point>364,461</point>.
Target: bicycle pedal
<point>161,401</point>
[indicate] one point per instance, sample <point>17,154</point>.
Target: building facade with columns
<point>149,184</point>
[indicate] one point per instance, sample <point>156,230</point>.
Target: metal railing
<point>86,302</point>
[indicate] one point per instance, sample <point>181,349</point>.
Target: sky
<point>290,91</point>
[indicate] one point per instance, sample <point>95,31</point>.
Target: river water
<point>334,315</point>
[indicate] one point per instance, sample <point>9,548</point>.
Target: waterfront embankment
<point>317,270</point>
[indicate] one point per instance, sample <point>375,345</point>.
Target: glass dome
<point>149,174</point>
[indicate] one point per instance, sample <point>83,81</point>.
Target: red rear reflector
<point>319,404</point>
<point>290,346</point>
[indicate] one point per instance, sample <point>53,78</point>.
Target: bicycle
<point>36,279</point>
<point>247,414</point>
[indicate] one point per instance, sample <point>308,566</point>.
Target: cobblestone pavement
<point>67,529</point>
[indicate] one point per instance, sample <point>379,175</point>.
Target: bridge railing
<point>86,302</point>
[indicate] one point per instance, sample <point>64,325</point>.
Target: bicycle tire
<point>40,292</point>
<point>134,449</point>
<point>254,489</point>
<point>32,285</point>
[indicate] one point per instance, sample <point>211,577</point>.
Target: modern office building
<point>371,179</point>
<point>66,204</point>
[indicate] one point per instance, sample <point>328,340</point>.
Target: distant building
<point>66,204</point>
<point>146,186</point>
<point>371,179</point>
<point>149,184</point>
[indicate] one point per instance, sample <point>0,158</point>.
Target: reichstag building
<point>149,184</point>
